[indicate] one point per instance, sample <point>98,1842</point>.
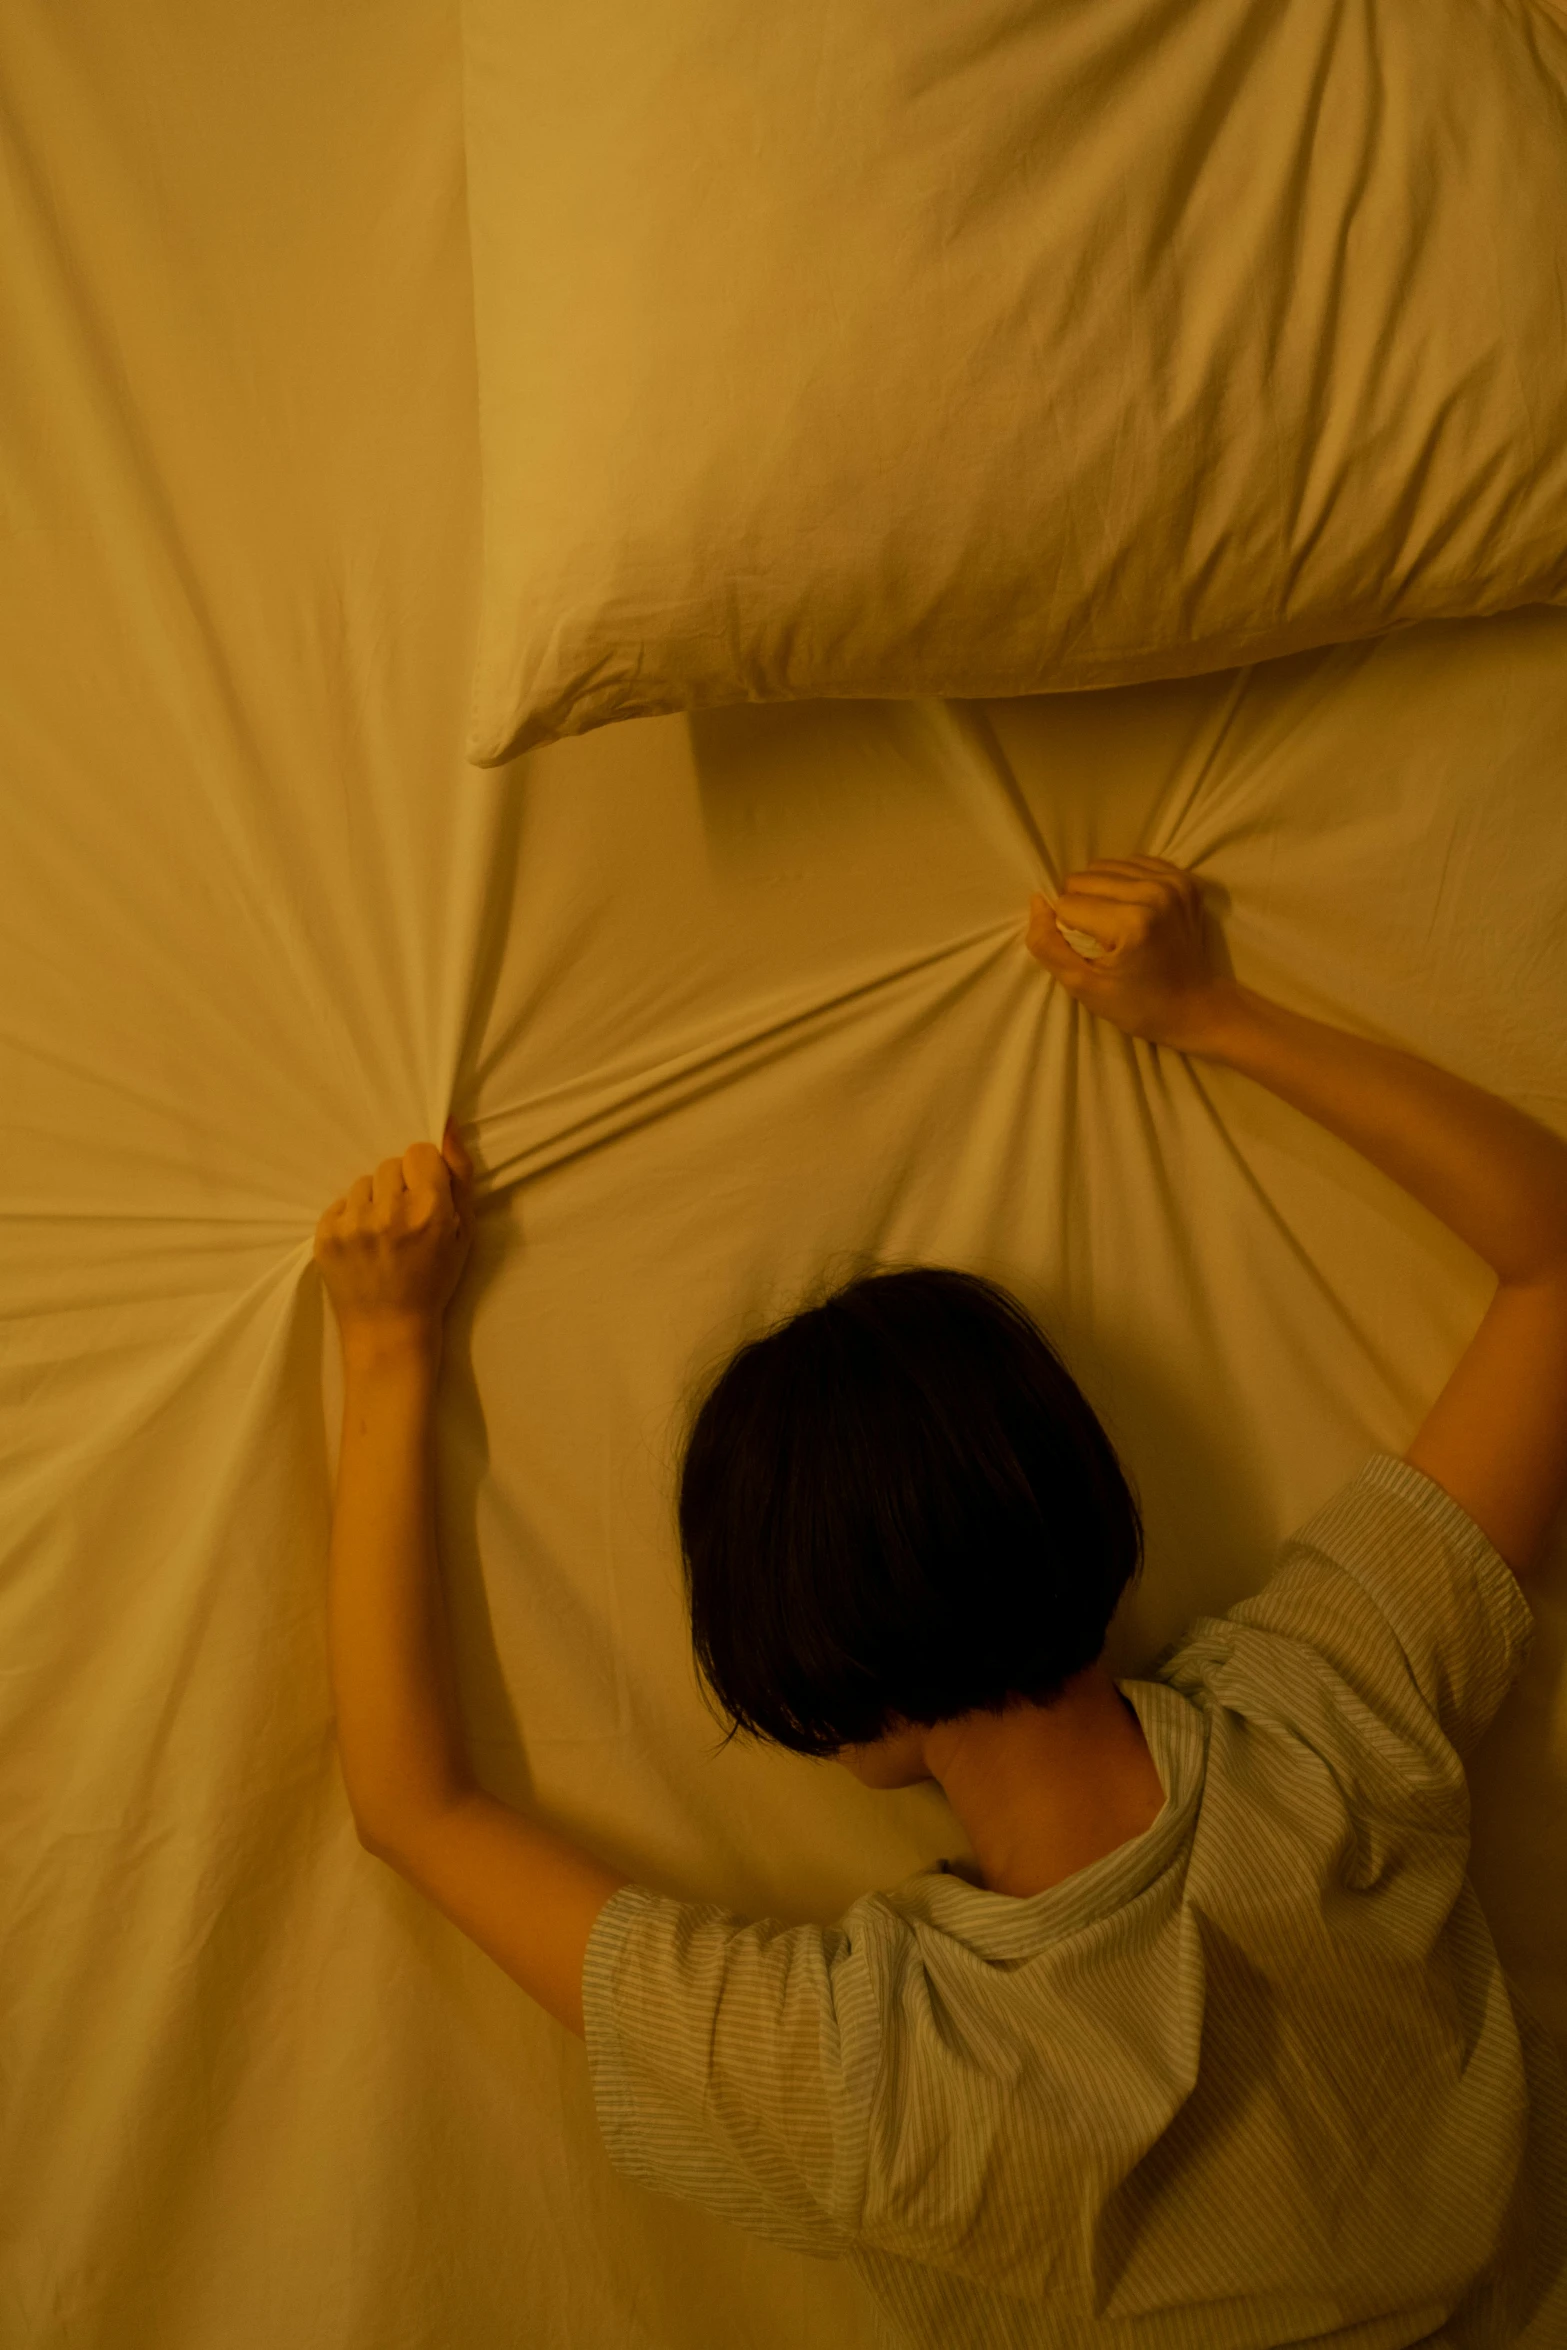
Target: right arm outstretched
<point>1496,1437</point>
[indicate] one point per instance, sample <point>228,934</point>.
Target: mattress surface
<point>721,1001</point>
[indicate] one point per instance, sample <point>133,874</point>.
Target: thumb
<point>1062,950</point>
<point>454,1152</point>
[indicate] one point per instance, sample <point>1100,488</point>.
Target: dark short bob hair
<point>898,1507</point>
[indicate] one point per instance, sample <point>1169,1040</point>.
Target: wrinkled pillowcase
<point>977,348</point>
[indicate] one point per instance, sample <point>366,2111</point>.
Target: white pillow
<point>985,347</point>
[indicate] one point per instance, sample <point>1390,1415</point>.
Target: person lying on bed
<point>1212,2047</point>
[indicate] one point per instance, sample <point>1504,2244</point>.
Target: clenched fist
<point>393,1248</point>
<point>1152,975</point>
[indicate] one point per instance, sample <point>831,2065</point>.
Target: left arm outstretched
<point>391,1253</point>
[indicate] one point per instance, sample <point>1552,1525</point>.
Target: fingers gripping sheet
<point>721,1002</point>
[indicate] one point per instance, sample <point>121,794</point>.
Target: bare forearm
<point>1492,1174</point>
<point>398,1726</point>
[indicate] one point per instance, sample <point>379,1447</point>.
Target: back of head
<point>898,1506</point>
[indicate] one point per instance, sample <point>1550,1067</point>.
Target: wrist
<point>396,1345</point>
<point>1214,1020</point>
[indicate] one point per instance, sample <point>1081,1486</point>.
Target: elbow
<point>375,1845</point>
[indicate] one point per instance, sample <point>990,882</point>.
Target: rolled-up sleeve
<point>1445,1613</point>
<point>734,2062</point>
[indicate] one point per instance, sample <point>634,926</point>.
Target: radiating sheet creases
<point>723,1003</point>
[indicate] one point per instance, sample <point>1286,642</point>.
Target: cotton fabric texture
<point>996,346</point>
<point>720,1001</point>
<point>1255,2078</point>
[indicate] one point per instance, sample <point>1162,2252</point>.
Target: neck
<point>1042,1791</point>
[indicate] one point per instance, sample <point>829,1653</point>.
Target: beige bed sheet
<point>723,999</point>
